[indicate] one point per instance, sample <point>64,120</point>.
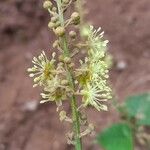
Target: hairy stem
<point>75,113</point>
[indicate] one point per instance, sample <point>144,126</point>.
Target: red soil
<point>23,33</point>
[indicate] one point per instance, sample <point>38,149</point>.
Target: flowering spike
<point>62,79</point>
<point>93,73</point>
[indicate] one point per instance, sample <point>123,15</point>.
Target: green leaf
<point>117,137</point>
<point>139,108</point>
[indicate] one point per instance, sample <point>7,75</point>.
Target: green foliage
<point>116,137</point>
<point>139,107</point>
<point>136,112</point>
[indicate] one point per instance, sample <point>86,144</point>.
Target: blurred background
<point>26,125</point>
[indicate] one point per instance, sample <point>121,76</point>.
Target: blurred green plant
<point>116,137</point>
<point>138,107</point>
<point>132,128</point>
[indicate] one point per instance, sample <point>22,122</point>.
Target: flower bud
<point>51,25</point>
<point>31,75</point>
<point>47,4</point>
<point>54,9</point>
<point>55,44</point>
<point>75,18</point>
<point>71,65</point>
<point>54,19</point>
<point>67,60</point>
<point>65,1</point>
<point>30,70</point>
<point>60,64</point>
<point>60,31</point>
<point>62,115</point>
<point>64,82</point>
<point>72,34</point>
<point>57,24</point>
<point>61,58</point>
<point>37,79</point>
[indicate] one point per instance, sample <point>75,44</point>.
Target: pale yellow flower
<point>93,96</point>
<point>95,72</point>
<point>42,71</point>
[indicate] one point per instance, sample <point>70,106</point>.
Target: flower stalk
<point>75,113</point>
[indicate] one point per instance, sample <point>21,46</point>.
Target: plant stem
<point>75,113</point>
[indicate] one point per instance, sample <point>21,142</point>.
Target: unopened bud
<point>51,25</point>
<point>67,60</point>
<point>54,9</point>
<point>54,19</point>
<point>30,70</point>
<point>55,44</point>
<point>72,34</point>
<point>61,58</point>
<point>47,4</point>
<point>57,24</point>
<point>91,126</point>
<point>37,79</point>
<point>31,75</point>
<point>75,18</point>
<point>62,115</point>
<point>60,31</point>
<point>71,65</point>
<point>65,1</point>
<point>64,82</point>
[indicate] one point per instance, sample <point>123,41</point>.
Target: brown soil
<point>23,33</point>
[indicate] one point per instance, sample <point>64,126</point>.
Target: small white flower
<point>42,69</point>
<point>54,91</point>
<point>97,44</point>
<point>92,95</point>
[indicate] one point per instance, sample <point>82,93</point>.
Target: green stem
<point>75,113</point>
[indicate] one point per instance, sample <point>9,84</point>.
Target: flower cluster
<point>95,73</point>
<point>91,76</point>
<point>61,79</point>
<point>51,76</point>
